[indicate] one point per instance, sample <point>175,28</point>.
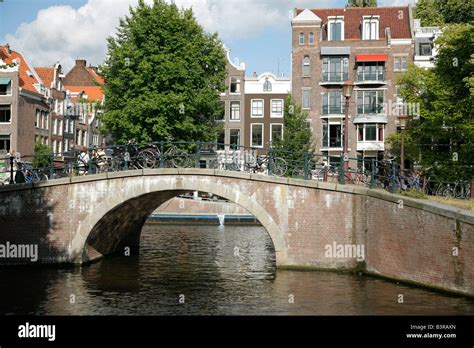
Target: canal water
<point>209,270</point>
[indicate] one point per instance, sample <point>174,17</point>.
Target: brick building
<point>265,97</point>
<point>25,105</point>
<point>367,46</point>
<point>233,99</point>
<point>84,91</point>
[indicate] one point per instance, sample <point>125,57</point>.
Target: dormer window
<point>335,28</point>
<point>301,39</point>
<point>370,28</point>
<point>267,85</point>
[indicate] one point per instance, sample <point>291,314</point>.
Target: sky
<point>258,32</point>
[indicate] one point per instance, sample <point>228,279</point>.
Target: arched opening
<point>116,227</point>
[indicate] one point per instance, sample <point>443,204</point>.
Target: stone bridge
<point>80,219</point>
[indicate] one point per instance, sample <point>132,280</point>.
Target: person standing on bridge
<point>83,161</point>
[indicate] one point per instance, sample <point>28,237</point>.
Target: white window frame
<point>364,128</point>
<point>311,38</point>
<point>399,58</point>
<point>271,130</point>
<point>240,85</point>
<point>369,19</point>
<point>251,108</point>
<point>251,135</point>
<point>282,108</point>
<point>304,65</point>
<point>6,106</point>
<point>301,35</point>
<point>302,98</point>
<point>240,134</point>
<point>334,20</point>
<point>230,111</point>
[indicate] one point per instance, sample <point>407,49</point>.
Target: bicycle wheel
<point>449,193</point>
<point>180,159</point>
<point>279,166</point>
<point>146,159</point>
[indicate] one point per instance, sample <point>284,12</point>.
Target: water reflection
<point>216,270</point>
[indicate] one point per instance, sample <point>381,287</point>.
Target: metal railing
<point>368,172</point>
<point>335,76</point>
<point>333,109</point>
<point>363,76</point>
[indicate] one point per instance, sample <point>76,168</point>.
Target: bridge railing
<point>213,155</point>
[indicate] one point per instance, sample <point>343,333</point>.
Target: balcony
<point>333,109</point>
<point>335,143</point>
<point>370,109</point>
<point>373,77</point>
<point>334,78</point>
<point>370,146</point>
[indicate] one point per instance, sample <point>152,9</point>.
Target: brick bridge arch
<point>116,223</point>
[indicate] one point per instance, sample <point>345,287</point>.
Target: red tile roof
<point>26,81</point>
<point>97,77</point>
<point>92,92</point>
<point>397,18</point>
<point>46,75</point>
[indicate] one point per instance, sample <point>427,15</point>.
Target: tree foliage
<point>362,3</point>
<point>43,156</point>
<point>442,137</point>
<point>297,139</point>
<point>440,12</point>
<point>163,76</point>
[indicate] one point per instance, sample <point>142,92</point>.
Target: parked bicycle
<point>263,164</point>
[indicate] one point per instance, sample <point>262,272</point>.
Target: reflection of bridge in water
<point>80,219</point>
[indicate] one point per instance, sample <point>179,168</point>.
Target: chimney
<point>7,47</point>
<point>81,63</point>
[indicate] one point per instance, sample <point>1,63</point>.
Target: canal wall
<point>81,219</point>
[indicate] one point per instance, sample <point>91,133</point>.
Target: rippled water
<point>215,270</point>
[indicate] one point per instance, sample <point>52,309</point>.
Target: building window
<point>235,111</point>
<point>306,103</point>
<point>301,39</point>
<point>95,139</point>
<point>400,63</point>
<point>425,49</point>
<point>277,108</point>
<point>370,132</point>
<point>5,86</point>
<point>333,103</point>
<point>370,28</point>
<point>267,85</point>
<point>370,102</point>
<point>234,137</point>
<point>335,69</point>
<point>5,114</point>
<point>234,85</point>
<point>335,29</point>
<point>332,135</point>
<point>276,131</point>
<point>311,39</point>
<point>256,134</point>
<point>370,71</point>
<point>4,142</point>
<point>257,108</point>
<point>38,119</point>
<point>55,126</point>
<point>60,127</point>
<point>306,66</point>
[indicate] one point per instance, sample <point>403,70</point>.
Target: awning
<point>371,57</point>
<point>5,80</point>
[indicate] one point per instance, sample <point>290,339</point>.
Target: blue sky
<point>257,31</point>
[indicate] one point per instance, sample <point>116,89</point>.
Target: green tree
<point>163,76</point>
<point>440,12</point>
<point>362,3</point>
<point>444,130</point>
<point>42,157</point>
<point>296,143</point>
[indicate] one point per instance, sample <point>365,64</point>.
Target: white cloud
<point>61,33</point>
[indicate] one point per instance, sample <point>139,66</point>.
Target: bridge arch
<point>116,223</point>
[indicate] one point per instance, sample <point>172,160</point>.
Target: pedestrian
<point>83,161</point>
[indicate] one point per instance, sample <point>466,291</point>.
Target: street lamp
<point>347,91</point>
<point>402,122</point>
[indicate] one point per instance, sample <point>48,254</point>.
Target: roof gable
<point>27,80</point>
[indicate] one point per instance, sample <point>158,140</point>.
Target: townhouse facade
<point>25,110</point>
<point>83,85</point>
<point>364,47</point>
<point>265,97</point>
<point>425,49</point>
